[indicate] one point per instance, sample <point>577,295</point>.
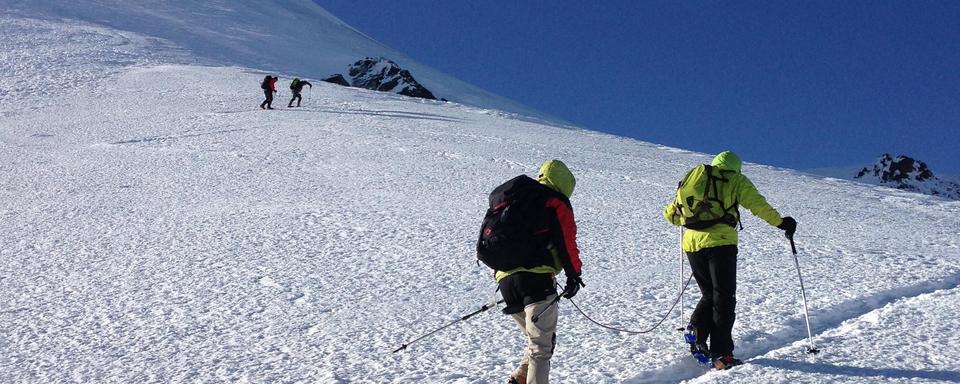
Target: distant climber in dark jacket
<point>295,87</point>
<point>269,86</point>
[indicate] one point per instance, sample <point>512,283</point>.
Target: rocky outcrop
<point>383,75</point>
<point>904,172</point>
<point>338,79</point>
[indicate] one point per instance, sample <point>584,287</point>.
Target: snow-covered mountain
<point>294,37</point>
<point>158,227</point>
<point>904,172</point>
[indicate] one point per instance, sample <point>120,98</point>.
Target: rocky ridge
<point>907,173</point>
<point>381,74</point>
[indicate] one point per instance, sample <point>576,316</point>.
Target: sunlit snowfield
<point>158,227</point>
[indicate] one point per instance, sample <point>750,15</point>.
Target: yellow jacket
<point>739,189</point>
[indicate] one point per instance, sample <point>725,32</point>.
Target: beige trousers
<point>541,338</point>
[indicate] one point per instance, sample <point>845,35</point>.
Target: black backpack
<point>265,83</point>
<point>515,231</point>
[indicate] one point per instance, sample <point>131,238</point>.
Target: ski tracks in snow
<point>907,339</point>
<point>842,329</point>
<point>781,349</point>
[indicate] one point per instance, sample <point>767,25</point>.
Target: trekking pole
<point>465,317</point>
<point>812,349</point>
<point>552,303</point>
<point>683,285</point>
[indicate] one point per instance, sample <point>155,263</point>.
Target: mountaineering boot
<point>517,380</point>
<point>726,362</point>
<point>699,350</point>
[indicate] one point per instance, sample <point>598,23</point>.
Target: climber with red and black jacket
<point>527,279</point>
<point>269,87</point>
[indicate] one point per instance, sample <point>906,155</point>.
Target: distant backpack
<point>294,83</point>
<point>265,84</point>
<point>514,233</point>
<point>698,202</point>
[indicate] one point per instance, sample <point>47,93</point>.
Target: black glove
<point>789,226</point>
<point>573,285</point>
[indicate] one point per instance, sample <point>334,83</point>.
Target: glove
<point>789,226</point>
<point>573,285</point>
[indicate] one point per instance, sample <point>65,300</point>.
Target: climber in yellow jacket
<point>711,249</point>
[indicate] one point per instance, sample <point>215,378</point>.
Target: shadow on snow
<point>681,368</point>
<point>890,373</point>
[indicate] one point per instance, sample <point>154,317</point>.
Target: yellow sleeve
<point>751,199</point>
<point>669,213</point>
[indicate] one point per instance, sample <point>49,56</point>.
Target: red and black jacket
<point>520,289</point>
<point>563,230</point>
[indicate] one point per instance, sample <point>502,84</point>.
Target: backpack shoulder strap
<point>544,192</point>
<point>735,206</point>
<point>711,181</point>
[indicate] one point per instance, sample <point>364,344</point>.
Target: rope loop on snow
<point>664,318</point>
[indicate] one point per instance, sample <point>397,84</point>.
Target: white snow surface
<point>293,37</point>
<point>157,227</point>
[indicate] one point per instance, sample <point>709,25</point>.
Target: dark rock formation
<point>338,79</point>
<point>903,167</point>
<point>382,75</point>
<point>385,75</point>
<point>904,172</point>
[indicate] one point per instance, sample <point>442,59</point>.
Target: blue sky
<point>797,84</point>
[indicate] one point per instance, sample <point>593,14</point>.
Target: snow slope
<point>294,37</point>
<point>158,228</point>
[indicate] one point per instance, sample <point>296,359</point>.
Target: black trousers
<point>297,97</point>
<point>268,94</point>
<point>524,288</point>
<point>715,270</point>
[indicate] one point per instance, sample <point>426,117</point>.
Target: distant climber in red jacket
<point>269,86</point>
